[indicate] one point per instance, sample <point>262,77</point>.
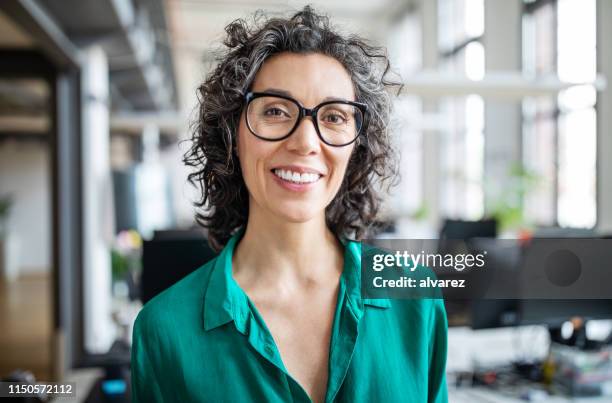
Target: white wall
<point>25,173</point>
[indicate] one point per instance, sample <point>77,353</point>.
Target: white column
<point>98,217</point>
<point>502,43</point>
<point>604,118</point>
<point>431,138</point>
<point>152,191</point>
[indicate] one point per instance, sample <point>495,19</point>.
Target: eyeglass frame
<point>303,112</point>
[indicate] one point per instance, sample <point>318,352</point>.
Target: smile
<point>296,177</point>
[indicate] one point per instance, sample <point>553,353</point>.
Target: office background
<point>505,114</point>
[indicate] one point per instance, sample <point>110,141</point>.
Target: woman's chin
<point>297,214</point>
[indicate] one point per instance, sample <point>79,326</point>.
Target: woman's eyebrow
<point>277,91</point>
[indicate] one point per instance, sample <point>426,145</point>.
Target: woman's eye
<point>334,118</point>
<point>275,112</point>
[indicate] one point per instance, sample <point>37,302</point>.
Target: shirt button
<point>269,349</point>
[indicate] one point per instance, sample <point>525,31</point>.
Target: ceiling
<point>133,34</point>
<point>160,50</point>
<point>11,36</point>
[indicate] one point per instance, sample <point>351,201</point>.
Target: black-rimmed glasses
<point>275,117</point>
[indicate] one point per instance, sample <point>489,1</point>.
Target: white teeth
<point>296,177</point>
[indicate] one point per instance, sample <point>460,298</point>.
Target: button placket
<point>343,348</point>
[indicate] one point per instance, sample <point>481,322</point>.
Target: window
<point>559,134</point>
<point>407,197</point>
<point>461,26</point>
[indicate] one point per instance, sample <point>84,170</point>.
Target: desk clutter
<point>567,372</point>
<point>579,373</point>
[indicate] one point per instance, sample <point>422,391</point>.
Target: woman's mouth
<point>296,177</point>
<point>295,181</point>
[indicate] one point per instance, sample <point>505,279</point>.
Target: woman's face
<point>310,79</point>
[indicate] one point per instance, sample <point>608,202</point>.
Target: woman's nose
<point>305,139</point>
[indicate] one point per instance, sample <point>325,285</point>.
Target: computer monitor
<point>551,313</point>
<point>561,232</point>
<point>459,311</point>
<point>125,204</point>
<point>170,256</point>
<point>462,229</point>
<point>503,258</point>
<point>555,312</point>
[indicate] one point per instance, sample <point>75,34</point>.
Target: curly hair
<point>222,206</point>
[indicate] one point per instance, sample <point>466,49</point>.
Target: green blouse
<point>202,340</point>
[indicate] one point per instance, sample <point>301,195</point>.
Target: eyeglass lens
<point>272,118</point>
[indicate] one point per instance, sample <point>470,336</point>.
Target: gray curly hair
<point>222,206</point>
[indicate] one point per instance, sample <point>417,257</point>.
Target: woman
<point>290,141</point>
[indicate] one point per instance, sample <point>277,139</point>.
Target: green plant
<point>508,209</point>
<point>119,265</point>
<point>420,213</point>
<point>126,254</point>
<point>5,206</point>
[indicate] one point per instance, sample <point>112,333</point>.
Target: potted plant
<point>508,209</point>
<point>126,262</point>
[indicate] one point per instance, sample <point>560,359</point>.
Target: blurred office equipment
<point>114,384</point>
<point>463,229</point>
<point>452,239</point>
<point>503,258</point>
<point>170,256</point>
<point>558,232</point>
<point>576,364</point>
<point>579,372</point>
<point>124,192</point>
<point>27,378</point>
<point>554,313</point>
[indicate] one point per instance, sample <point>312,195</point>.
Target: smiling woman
<point>318,81</point>
<point>290,142</point>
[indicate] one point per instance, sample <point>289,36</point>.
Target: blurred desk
<point>84,378</point>
<point>487,395</point>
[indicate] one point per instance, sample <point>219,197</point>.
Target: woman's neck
<point>273,251</point>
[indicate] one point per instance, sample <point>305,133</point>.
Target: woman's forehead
<point>310,78</point>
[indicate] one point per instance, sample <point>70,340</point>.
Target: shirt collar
<point>225,301</point>
<point>352,278</point>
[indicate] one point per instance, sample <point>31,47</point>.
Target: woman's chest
<point>377,363</point>
<point>390,361</point>
<point>302,333</point>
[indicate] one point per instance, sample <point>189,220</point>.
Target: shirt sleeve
<point>145,387</point>
<point>438,331</point>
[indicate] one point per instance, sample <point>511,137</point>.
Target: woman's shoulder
<point>180,301</point>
